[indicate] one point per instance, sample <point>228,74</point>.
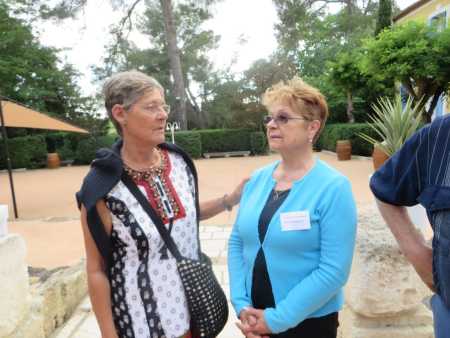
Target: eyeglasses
<point>156,108</point>
<point>280,119</point>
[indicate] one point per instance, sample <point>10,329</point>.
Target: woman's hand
<point>253,324</point>
<point>234,198</point>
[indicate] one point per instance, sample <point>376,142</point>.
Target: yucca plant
<point>393,123</point>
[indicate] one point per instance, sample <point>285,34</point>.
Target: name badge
<point>295,220</point>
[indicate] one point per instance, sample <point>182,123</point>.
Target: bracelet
<point>227,206</point>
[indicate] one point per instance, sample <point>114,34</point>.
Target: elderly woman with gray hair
<point>134,285</point>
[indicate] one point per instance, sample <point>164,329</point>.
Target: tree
<point>344,73</point>
<point>195,42</point>
<point>175,63</point>
<point>310,36</point>
<point>384,19</point>
<point>417,56</point>
<point>33,75</point>
<point>69,8</point>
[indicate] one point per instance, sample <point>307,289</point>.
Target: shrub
<point>347,131</point>
<point>54,141</point>
<point>25,152</point>
<point>189,141</point>
<point>258,143</point>
<point>221,140</point>
<point>65,144</point>
<point>87,147</point>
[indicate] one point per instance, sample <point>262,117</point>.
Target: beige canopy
<point>16,115</point>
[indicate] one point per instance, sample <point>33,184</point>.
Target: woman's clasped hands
<point>253,323</point>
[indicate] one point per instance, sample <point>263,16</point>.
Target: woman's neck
<point>294,165</point>
<point>138,156</point>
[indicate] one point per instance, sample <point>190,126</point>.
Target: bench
<point>67,163</point>
<point>227,154</point>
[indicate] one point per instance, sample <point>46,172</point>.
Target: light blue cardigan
<point>307,268</point>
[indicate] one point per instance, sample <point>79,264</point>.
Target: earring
<point>310,140</point>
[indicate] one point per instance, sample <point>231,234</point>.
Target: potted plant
<point>394,123</point>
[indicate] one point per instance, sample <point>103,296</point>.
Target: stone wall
<point>384,295</point>
<point>35,310</point>
<point>14,286</point>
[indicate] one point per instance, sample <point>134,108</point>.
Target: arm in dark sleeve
<point>398,181</point>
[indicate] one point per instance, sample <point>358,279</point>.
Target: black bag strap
<point>164,233</point>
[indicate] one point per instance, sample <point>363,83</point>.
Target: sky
<point>83,39</point>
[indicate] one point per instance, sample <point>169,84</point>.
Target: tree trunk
<point>198,112</point>
<point>173,52</point>
<point>350,117</point>
<point>433,104</point>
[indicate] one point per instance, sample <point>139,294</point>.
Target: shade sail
<point>16,115</point>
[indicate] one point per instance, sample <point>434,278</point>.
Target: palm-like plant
<point>393,123</point>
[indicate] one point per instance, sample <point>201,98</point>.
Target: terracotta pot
<point>378,157</point>
<point>53,161</point>
<point>343,150</point>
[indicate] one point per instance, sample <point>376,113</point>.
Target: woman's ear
<point>313,128</point>
<point>119,114</point>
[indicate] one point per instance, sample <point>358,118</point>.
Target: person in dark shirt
<point>420,173</point>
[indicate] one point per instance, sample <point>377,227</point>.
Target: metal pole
<point>172,130</point>
<point>8,160</point>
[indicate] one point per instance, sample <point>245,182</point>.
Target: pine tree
<point>384,16</point>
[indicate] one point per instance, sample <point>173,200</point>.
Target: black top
<point>262,296</point>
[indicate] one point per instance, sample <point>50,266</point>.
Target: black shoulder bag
<point>207,302</point>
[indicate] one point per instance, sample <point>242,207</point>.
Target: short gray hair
<point>126,88</point>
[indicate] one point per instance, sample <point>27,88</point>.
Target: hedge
<point>347,131</point>
<point>220,140</point>
<point>258,143</point>
<point>25,152</point>
<point>87,147</point>
<point>189,141</point>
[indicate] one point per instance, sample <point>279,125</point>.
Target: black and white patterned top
<point>148,299</point>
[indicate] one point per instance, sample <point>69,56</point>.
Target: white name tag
<point>295,220</point>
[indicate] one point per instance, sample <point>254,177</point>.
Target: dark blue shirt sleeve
<point>398,181</point>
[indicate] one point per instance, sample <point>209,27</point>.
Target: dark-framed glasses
<point>280,119</point>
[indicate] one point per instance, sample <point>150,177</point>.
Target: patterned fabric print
<point>165,282</point>
<point>148,313</point>
<point>120,307</point>
<point>184,231</point>
<point>157,185</point>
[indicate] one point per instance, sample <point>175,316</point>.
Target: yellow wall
<point>424,13</point>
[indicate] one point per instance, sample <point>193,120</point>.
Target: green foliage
<point>218,140</point>
<point>33,75</point>
<point>347,131</point>
<point>309,35</point>
<point>384,19</point>
<point>258,143</point>
<point>344,71</point>
<point>393,123</point>
<point>416,55</point>
<point>189,141</point>
<point>196,42</point>
<point>87,147</point>
<point>65,144</point>
<point>25,152</point>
